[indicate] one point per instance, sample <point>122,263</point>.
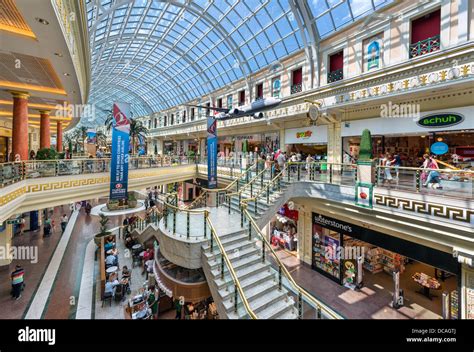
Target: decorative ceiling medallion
<point>433,77</point>
<point>414,82</point>
<point>454,73</point>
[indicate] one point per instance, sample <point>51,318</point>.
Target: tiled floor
<point>117,309</point>
<point>64,297</point>
<point>33,271</point>
<point>373,300</point>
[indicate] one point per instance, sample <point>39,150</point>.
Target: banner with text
<point>212,152</point>
<point>120,148</point>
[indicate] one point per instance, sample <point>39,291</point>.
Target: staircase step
<point>251,293</point>
<point>214,260</point>
<point>278,310</point>
<point>249,284</point>
<point>239,264</point>
<point>269,304</point>
<point>228,240</point>
<point>246,276</point>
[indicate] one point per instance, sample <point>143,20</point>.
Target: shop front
<point>283,229</point>
<point>356,257</point>
<point>449,134</point>
<point>255,143</point>
<point>170,148</point>
<point>311,140</point>
<point>3,149</point>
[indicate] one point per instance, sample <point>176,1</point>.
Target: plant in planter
<point>113,204</point>
<point>365,163</point>
<point>132,200</point>
<point>366,150</point>
<point>46,154</point>
<point>104,221</point>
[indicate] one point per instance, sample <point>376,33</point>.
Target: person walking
<point>397,162</point>
<point>387,163</point>
<point>72,207</point>
<point>18,281</point>
<point>147,204</point>
<point>281,159</point>
<point>22,225</point>
<point>64,221</point>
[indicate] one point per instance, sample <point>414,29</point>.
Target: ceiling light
<point>42,21</point>
<point>66,74</point>
<point>59,54</point>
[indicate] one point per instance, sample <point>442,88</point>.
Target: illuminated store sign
<point>440,120</point>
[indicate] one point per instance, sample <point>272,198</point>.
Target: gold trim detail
<point>436,210</point>
<point>12,196</point>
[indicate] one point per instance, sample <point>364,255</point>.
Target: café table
<point>112,269</point>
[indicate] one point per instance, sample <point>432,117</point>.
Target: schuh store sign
<point>440,120</point>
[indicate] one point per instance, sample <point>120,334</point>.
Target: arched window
<point>276,87</point>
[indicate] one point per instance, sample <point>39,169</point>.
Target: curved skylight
<point>159,54</point>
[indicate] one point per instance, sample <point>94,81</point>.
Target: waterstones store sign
<point>331,223</point>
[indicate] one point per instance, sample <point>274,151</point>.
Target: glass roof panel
<point>158,54</point>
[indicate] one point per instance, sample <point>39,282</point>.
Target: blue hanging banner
<point>120,148</point>
<point>211,152</point>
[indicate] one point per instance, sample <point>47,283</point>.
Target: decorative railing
<point>426,46</point>
<point>335,75</point>
<point>297,88</point>
<point>32,169</point>
<point>441,182</point>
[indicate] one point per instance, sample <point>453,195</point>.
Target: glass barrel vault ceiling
<point>159,54</point>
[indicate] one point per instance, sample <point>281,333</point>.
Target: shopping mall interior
<point>231,159</point>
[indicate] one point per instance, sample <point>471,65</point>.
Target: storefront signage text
<point>304,135</point>
<point>440,120</point>
<point>319,219</point>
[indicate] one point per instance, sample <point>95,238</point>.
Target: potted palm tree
<point>104,221</point>
<point>132,200</point>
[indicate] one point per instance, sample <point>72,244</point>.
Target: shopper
<point>18,281</point>
<point>433,179</point>
<point>72,207</point>
<point>22,225</point>
<point>47,228</point>
<point>281,160</point>
<point>153,301</point>
<point>147,203</point>
<point>179,303</point>
<point>397,162</point>
<point>387,163</point>
<point>32,155</point>
<point>64,221</point>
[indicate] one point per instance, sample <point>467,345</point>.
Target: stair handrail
<point>226,189</point>
<point>282,268</point>
<point>235,279</point>
<point>244,187</point>
<point>264,189</point>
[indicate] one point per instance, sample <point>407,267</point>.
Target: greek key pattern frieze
<point>7,198</point>
<point>435,210</point>
<point>41,187</point>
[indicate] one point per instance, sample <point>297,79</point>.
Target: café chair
<point>107,297</point>
<point>119,293</point>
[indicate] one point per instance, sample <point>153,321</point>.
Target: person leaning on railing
<point>432,176</point>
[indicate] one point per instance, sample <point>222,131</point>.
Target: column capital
<point>44,112</point>
<point>19,94</point>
